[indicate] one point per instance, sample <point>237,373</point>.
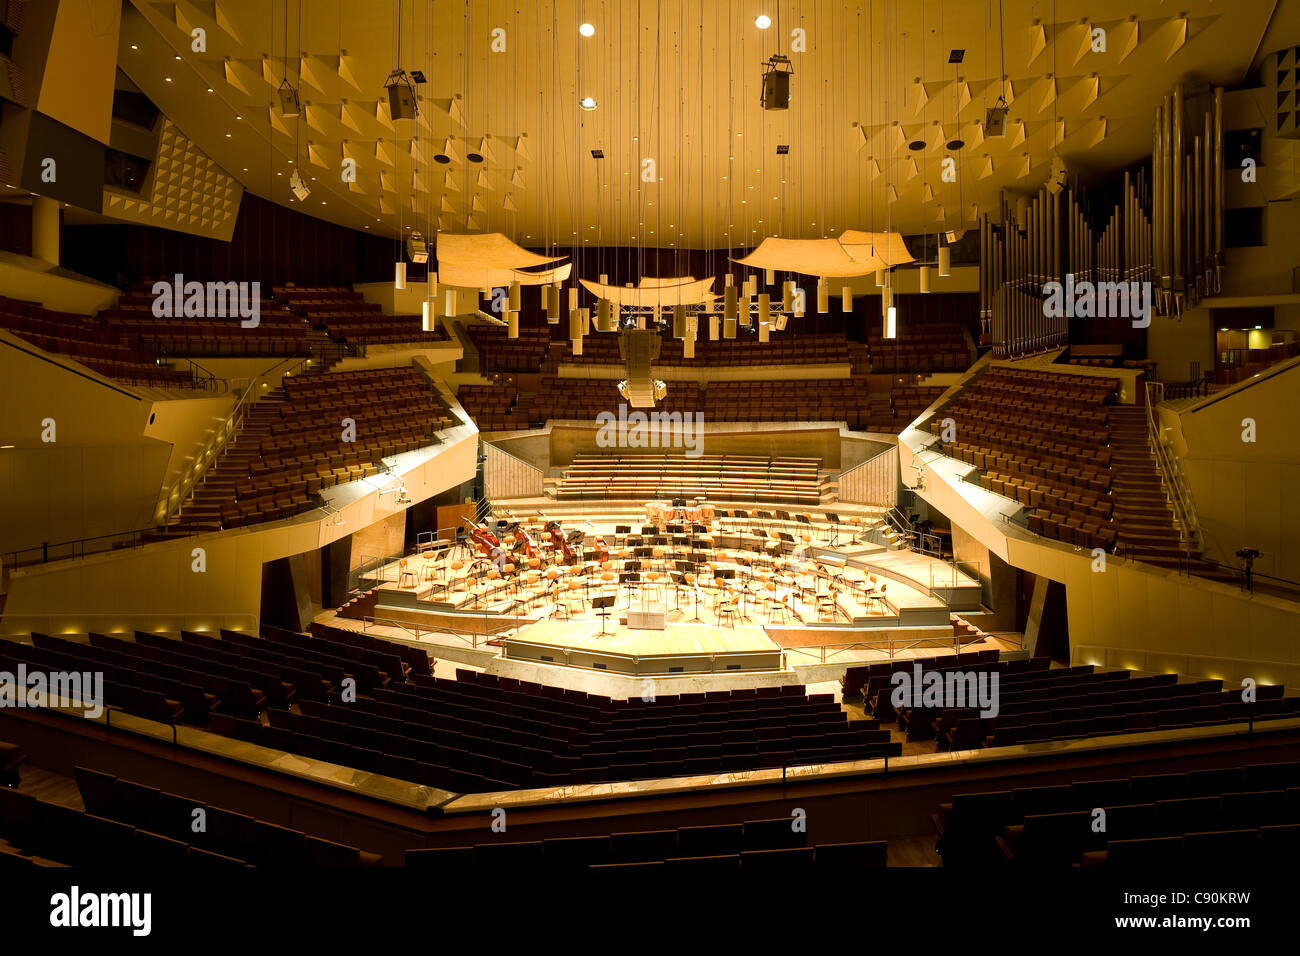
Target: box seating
<point>745,478</point>
<point>500,353</point>
<point>1250,813</point>
<point>761,845</point>
<point>347,317</point>
<point>1044,440</point>
<point>291,444</point>
<point>95,344</point>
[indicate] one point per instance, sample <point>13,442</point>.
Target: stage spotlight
<point>401,96</point>
<point>417,250</point>
<point>288,100</point>
<point>300,190</point>
<point>995,118</point>
<point>776,82</point>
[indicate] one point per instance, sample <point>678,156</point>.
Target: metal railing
<point>46,552</point>
<point>178,492</point>
<point>1177,488</point>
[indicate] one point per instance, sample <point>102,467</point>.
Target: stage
<point>733,597</point>
<point>677,649</point>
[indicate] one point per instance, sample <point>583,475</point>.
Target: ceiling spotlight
<point>956,144</point>
<point>587,30</point>
<point>442,158</point>
<point>587,102</point>
<point>417,249</point>
<point>916,145</point>
<point>763,21</point>
<point>299,188</point>
<point>401,95</point>
<point>776,83</point>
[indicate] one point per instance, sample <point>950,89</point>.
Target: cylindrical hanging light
<point>764,333</point>
<point>730,305</point>
<point>925,278</point>
<point>433,285</point>
<point>512,325</point>
<point>451,303</point>
<point>728,280</point>
<point>713,328</point>
<point>787,296</point>
<point>515,296</point>
<point>751,285</point>
<point>427,316</point>
<point>891,323</point>
<point>573,298</point>
<point>728,328</point>
<point>823,296</point>
<point>880,278</point>
<point>577,345</point>
<point>945,260</point>
<point>399,276</point>
<point>688,347</point>
<point>764,313</point>
<point>846,299</point>
<point>604,279</point>
<point>770,276</point>
<point>679,321</point>
<point>575,324</point>
<point>549,303</point>
<point>584,319</point>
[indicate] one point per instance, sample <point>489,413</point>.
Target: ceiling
<point>676,82</point>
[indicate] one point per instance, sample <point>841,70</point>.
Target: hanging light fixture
<point>823,296</point>
<point>945,260</point>
<point>925,278</point>
<point>399,275</point>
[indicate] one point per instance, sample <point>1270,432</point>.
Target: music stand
<point>601,606</point>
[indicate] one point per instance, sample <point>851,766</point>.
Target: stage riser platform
<point>676,664</point>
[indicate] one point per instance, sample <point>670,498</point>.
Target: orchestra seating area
<point>96,345</point>
<point>1235,816</point>
<point>482,733</point>
<point>292,444</point>
<point>278,331</point>
<point>760,846</point>
<point>719,477</point>
<point>1038,703</point>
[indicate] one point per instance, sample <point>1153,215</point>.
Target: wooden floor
<point>674,639</point>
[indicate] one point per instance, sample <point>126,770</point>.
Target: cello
<point>602,549</point>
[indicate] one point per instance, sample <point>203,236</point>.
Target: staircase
<point>1145,522</point>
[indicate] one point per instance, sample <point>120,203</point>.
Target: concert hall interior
<point>612,435</point>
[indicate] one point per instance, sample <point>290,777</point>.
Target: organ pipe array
<point>1166,230</point>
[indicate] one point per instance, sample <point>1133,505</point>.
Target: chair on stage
<point>828,606</point>
<point>834,519</point>
<point>776,606</point>
<point>654,585</point>
<point>724,605</point>
<point>405,575</point>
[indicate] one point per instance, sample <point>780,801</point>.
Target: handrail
<point>850,473</point>
<point>175,495</point>
<point>77,548</point>
<point>1172,478</point>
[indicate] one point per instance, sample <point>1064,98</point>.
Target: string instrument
<point>599,544</point>
<point>560,543</point>
<point>484,539</point>
<point>524,542</point>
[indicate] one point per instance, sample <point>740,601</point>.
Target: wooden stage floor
<point>673,639</point>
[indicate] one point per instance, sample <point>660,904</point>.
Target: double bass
<point>602,549</point>
<point>524,542</point>
<point>484,539</point>
<point>560,543</point>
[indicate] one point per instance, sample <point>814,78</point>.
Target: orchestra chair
<point>776,606</point>
<point>654,584</point>
<point>828,606</point>
<point>724,609</point>
<point>403,573</point>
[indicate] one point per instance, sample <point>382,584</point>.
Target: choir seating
<point>920,347</point>
<point>719,477</point>
<point>291,444</point>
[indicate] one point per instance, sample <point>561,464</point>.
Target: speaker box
<point>776,90</point>
<point>401,101</point>
<point>995,121</point>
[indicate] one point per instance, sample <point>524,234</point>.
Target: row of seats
<point>298,440</point>
<point>775,846</point>
<point>1243,810</point>
<point>736,477</point>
